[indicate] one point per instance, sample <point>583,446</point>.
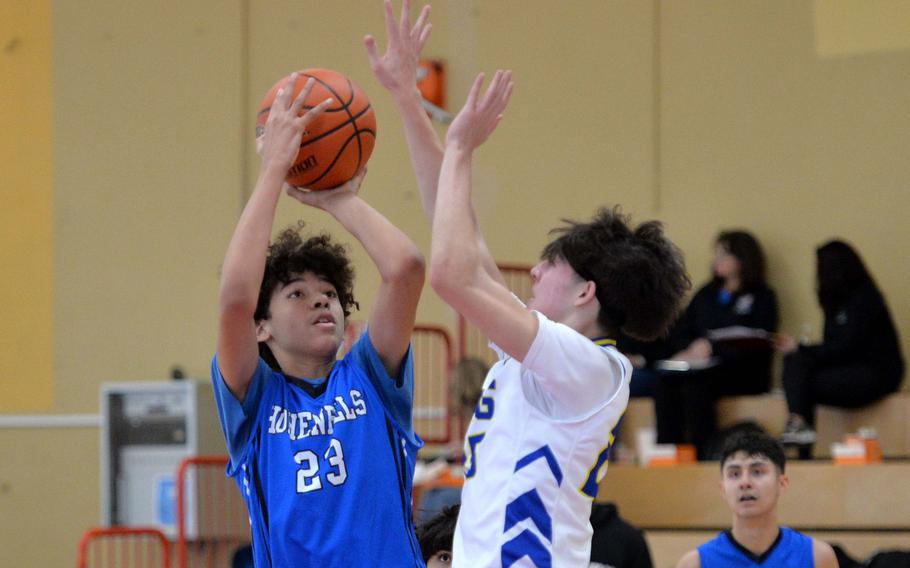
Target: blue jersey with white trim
<point>536,450</point>
<point>326,474</point>
<point>792,549</point>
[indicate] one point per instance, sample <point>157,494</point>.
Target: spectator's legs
<point>668,408</point>
<point>798,386</point>
<point>698,408</point>
<point>851,386</point>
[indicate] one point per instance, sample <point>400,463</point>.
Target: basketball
<point>337,143</point>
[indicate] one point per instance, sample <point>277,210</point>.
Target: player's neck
<point>756,533</point>
<point>585,325</point>
<point>305,367</point>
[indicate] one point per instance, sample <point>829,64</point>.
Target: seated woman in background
<point>859,359</point>
<point>737,296</point>
<point>644,356</point>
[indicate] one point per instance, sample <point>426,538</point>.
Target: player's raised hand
<point>325,199</point>
<point>481,114</point>
<point>280,141</point>
<point>396,70</point>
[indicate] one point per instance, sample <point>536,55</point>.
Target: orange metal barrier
<point>212,520</point>
<point>124,547</point>
<point>433,360</point>
<point>471,342</point>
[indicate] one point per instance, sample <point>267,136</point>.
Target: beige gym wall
<point>705,115</point>
<point>26,218</point>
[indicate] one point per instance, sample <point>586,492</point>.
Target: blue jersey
<point>791,550</point>
<point>326,471</point>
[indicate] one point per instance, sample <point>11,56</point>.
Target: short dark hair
<point>745,247</point>
<point>639,274</point>
<point>437,534</point>
<point>289,255</point>
<point>754,443</point>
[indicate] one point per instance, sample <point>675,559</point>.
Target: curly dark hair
<point>754,443</point>
<point>639,274</point>
<point>745,247</point>
<point>290,255</point>
<point>437,534</point>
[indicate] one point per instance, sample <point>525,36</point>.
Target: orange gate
<point>124,547</point>
<point>212,520</point>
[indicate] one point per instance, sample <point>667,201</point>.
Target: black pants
<point>844,386</point>
<point>684,402</point>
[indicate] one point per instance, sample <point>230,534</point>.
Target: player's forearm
<point>423,145</point>
<point>455,251</point>
<point>395,255</point>
<point>244,261</point>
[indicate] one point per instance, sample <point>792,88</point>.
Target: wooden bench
<point>822,496</point>
<point>890,417</point>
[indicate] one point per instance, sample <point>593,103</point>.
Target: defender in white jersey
<point>536,449</point>
<point>539,441</point>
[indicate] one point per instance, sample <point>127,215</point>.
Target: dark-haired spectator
<point>736,297</point>
<point>435,537</point>
<point>752,468</point>
<point>859,359</point>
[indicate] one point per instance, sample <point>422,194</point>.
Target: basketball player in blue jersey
<point>322,449</point>
<point>752,480</point>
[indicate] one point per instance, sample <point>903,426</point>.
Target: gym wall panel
<point>26,217</point>
<point>148,168</point>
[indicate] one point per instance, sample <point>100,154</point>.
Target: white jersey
<point>536,449</point>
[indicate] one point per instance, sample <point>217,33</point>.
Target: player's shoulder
<point>823,554</point>
<point>690,559</point>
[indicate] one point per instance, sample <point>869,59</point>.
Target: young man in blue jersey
<point>752,480</point>
<point>322,449</point>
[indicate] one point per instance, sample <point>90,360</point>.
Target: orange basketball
<point>339,142</point>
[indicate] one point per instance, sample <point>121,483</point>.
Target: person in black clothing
<point>737,296</point>
<point>859,359</point>
<point>616,543</point>
<point>643,355</point>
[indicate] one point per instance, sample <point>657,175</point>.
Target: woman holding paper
<point>722,344</point>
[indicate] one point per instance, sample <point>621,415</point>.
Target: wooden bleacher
<point>821,496</point>
<point>862,508</point>
<point>889,417</point>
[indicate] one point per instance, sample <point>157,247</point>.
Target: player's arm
<point>400,264</point>
<point>689,560</point>
<point>456,265</point>
<point>823,554</point>
<point>244,262</point>
<point>396,70</point>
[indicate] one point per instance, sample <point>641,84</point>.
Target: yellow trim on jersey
<point>604,341</point>
<point>606,462</point>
